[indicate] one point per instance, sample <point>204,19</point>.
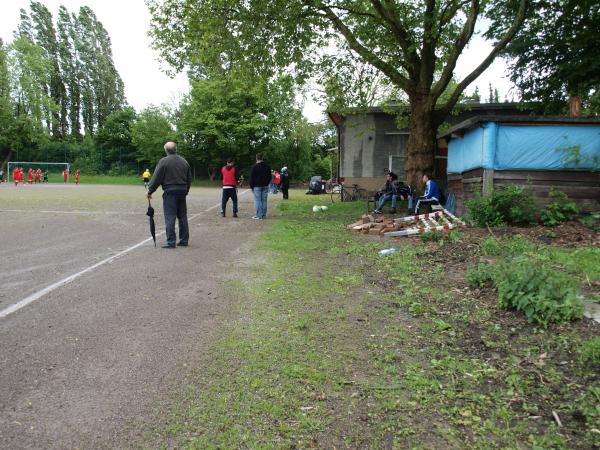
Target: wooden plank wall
<point>582,187</point>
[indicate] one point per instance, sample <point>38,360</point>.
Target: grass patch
<point>332,346</point>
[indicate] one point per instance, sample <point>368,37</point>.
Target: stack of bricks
<point>375,226</point>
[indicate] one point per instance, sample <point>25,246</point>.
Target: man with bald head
<point>174,174</point>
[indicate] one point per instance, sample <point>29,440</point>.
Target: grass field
<point>333,346</point>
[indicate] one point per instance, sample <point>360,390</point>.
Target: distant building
<point>370,142</point>
<point>487,152</point>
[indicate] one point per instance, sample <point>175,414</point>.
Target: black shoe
<point>168,246</point>
<point>182,244</point>
<point>222,213</point>
<point>235,214</point>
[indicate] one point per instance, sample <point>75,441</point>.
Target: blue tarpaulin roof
<point>524,144</point>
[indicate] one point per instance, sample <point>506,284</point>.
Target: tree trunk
<point>422,142</point>
<point>212,172</point>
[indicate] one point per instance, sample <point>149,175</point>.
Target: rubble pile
<point>441,220</point>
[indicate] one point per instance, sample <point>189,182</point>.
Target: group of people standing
<point>32,176</point>
<point>35,176</point>
<point>174,174</point>
<point>262,181</point>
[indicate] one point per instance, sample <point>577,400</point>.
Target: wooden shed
<point>487,152</point>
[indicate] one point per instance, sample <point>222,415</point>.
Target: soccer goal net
<point>49,172</point>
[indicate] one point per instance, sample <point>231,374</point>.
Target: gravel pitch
<point>84,360</point>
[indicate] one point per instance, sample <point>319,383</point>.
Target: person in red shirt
<point>77,176</point>
<point>38,176</point>
<point>30,176</point>
<point>22,175</point>
<point>229,176</point>
<point>65,175</point>
<point>16,176</point>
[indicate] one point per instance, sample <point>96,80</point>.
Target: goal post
<point>51,167</point>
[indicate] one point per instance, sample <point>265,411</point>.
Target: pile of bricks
<point>440,220</point>
<point>375,226</point>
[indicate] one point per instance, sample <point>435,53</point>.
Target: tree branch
<point>459,46</point>
<point>501,45</point>
<point>395,76</point>
<point>389,16</point>
<point>428,49</point>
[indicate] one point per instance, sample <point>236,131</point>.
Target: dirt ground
<point>83,360</point>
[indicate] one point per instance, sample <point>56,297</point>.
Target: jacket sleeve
<point>157,177</point>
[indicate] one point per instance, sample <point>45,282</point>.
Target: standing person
<point>146,177</point>
<point>285,182</point>
<point>77,176</point>
<point>276,181</point>
<point>260,177</point>
<point>16,176</point>
<point>174,174</point>
<point>65,176</point>
<point>30,176</point>
<point>38,176</point>
<point>1,175</point>
<point>46,176</point>
<point>432,195</point>
<point>22,175</point>
<point>229,176</point>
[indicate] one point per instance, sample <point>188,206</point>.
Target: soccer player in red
<point>38,176</point>
<point>30,176</point>
<point>22,175</point>
<point>65,175</point>
<point>77,176</point>
<point>16,176</point>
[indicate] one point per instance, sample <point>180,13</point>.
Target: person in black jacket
<point>260,177</point>
<point>174,174</point>
<point>285,182</point>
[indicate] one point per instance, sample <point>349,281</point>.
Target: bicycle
<point>346,194</point>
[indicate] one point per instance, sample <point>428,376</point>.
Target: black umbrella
<point>150,214</point>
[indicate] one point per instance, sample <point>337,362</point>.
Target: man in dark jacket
<point>229,177</point>
<point>174,174</point>
<point>260,177</point>
<point>285,182</point>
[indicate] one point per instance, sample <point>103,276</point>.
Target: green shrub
<point>515,204</point>
<point>512,204</point>
<point>432,236</point>
<point>559,211</point>
<point>542,294</point>
<point>480,275</point>
<point>481,212</point>
<point>589,351</point>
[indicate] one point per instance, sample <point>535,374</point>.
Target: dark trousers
<point>229,193</point>
<point>175,207</point>
<point>425,201</point>
<point>284,191</point>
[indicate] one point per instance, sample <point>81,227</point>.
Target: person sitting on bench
<point>387,193</point>
<point>432,194</point>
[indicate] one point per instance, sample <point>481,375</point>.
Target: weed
<point>432,236</point>
<point>480,275</point>
<point>542,294</point>
<point>512,204</point>
<point>589,352</point>
<point>561,210</point>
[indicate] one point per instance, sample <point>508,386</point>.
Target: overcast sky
<point>127,23</point>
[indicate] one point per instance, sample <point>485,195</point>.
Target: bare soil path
<point>87,358</point>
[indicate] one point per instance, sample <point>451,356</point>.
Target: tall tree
<point>45,37</point>
<point>416,45</point>
<point>71,68</point>
<point>7,122</point>
<point>558,53</point>
<point>151,129</point>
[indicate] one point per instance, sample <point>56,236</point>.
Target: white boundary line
<point>69,212</point>
<point>39,294</point>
